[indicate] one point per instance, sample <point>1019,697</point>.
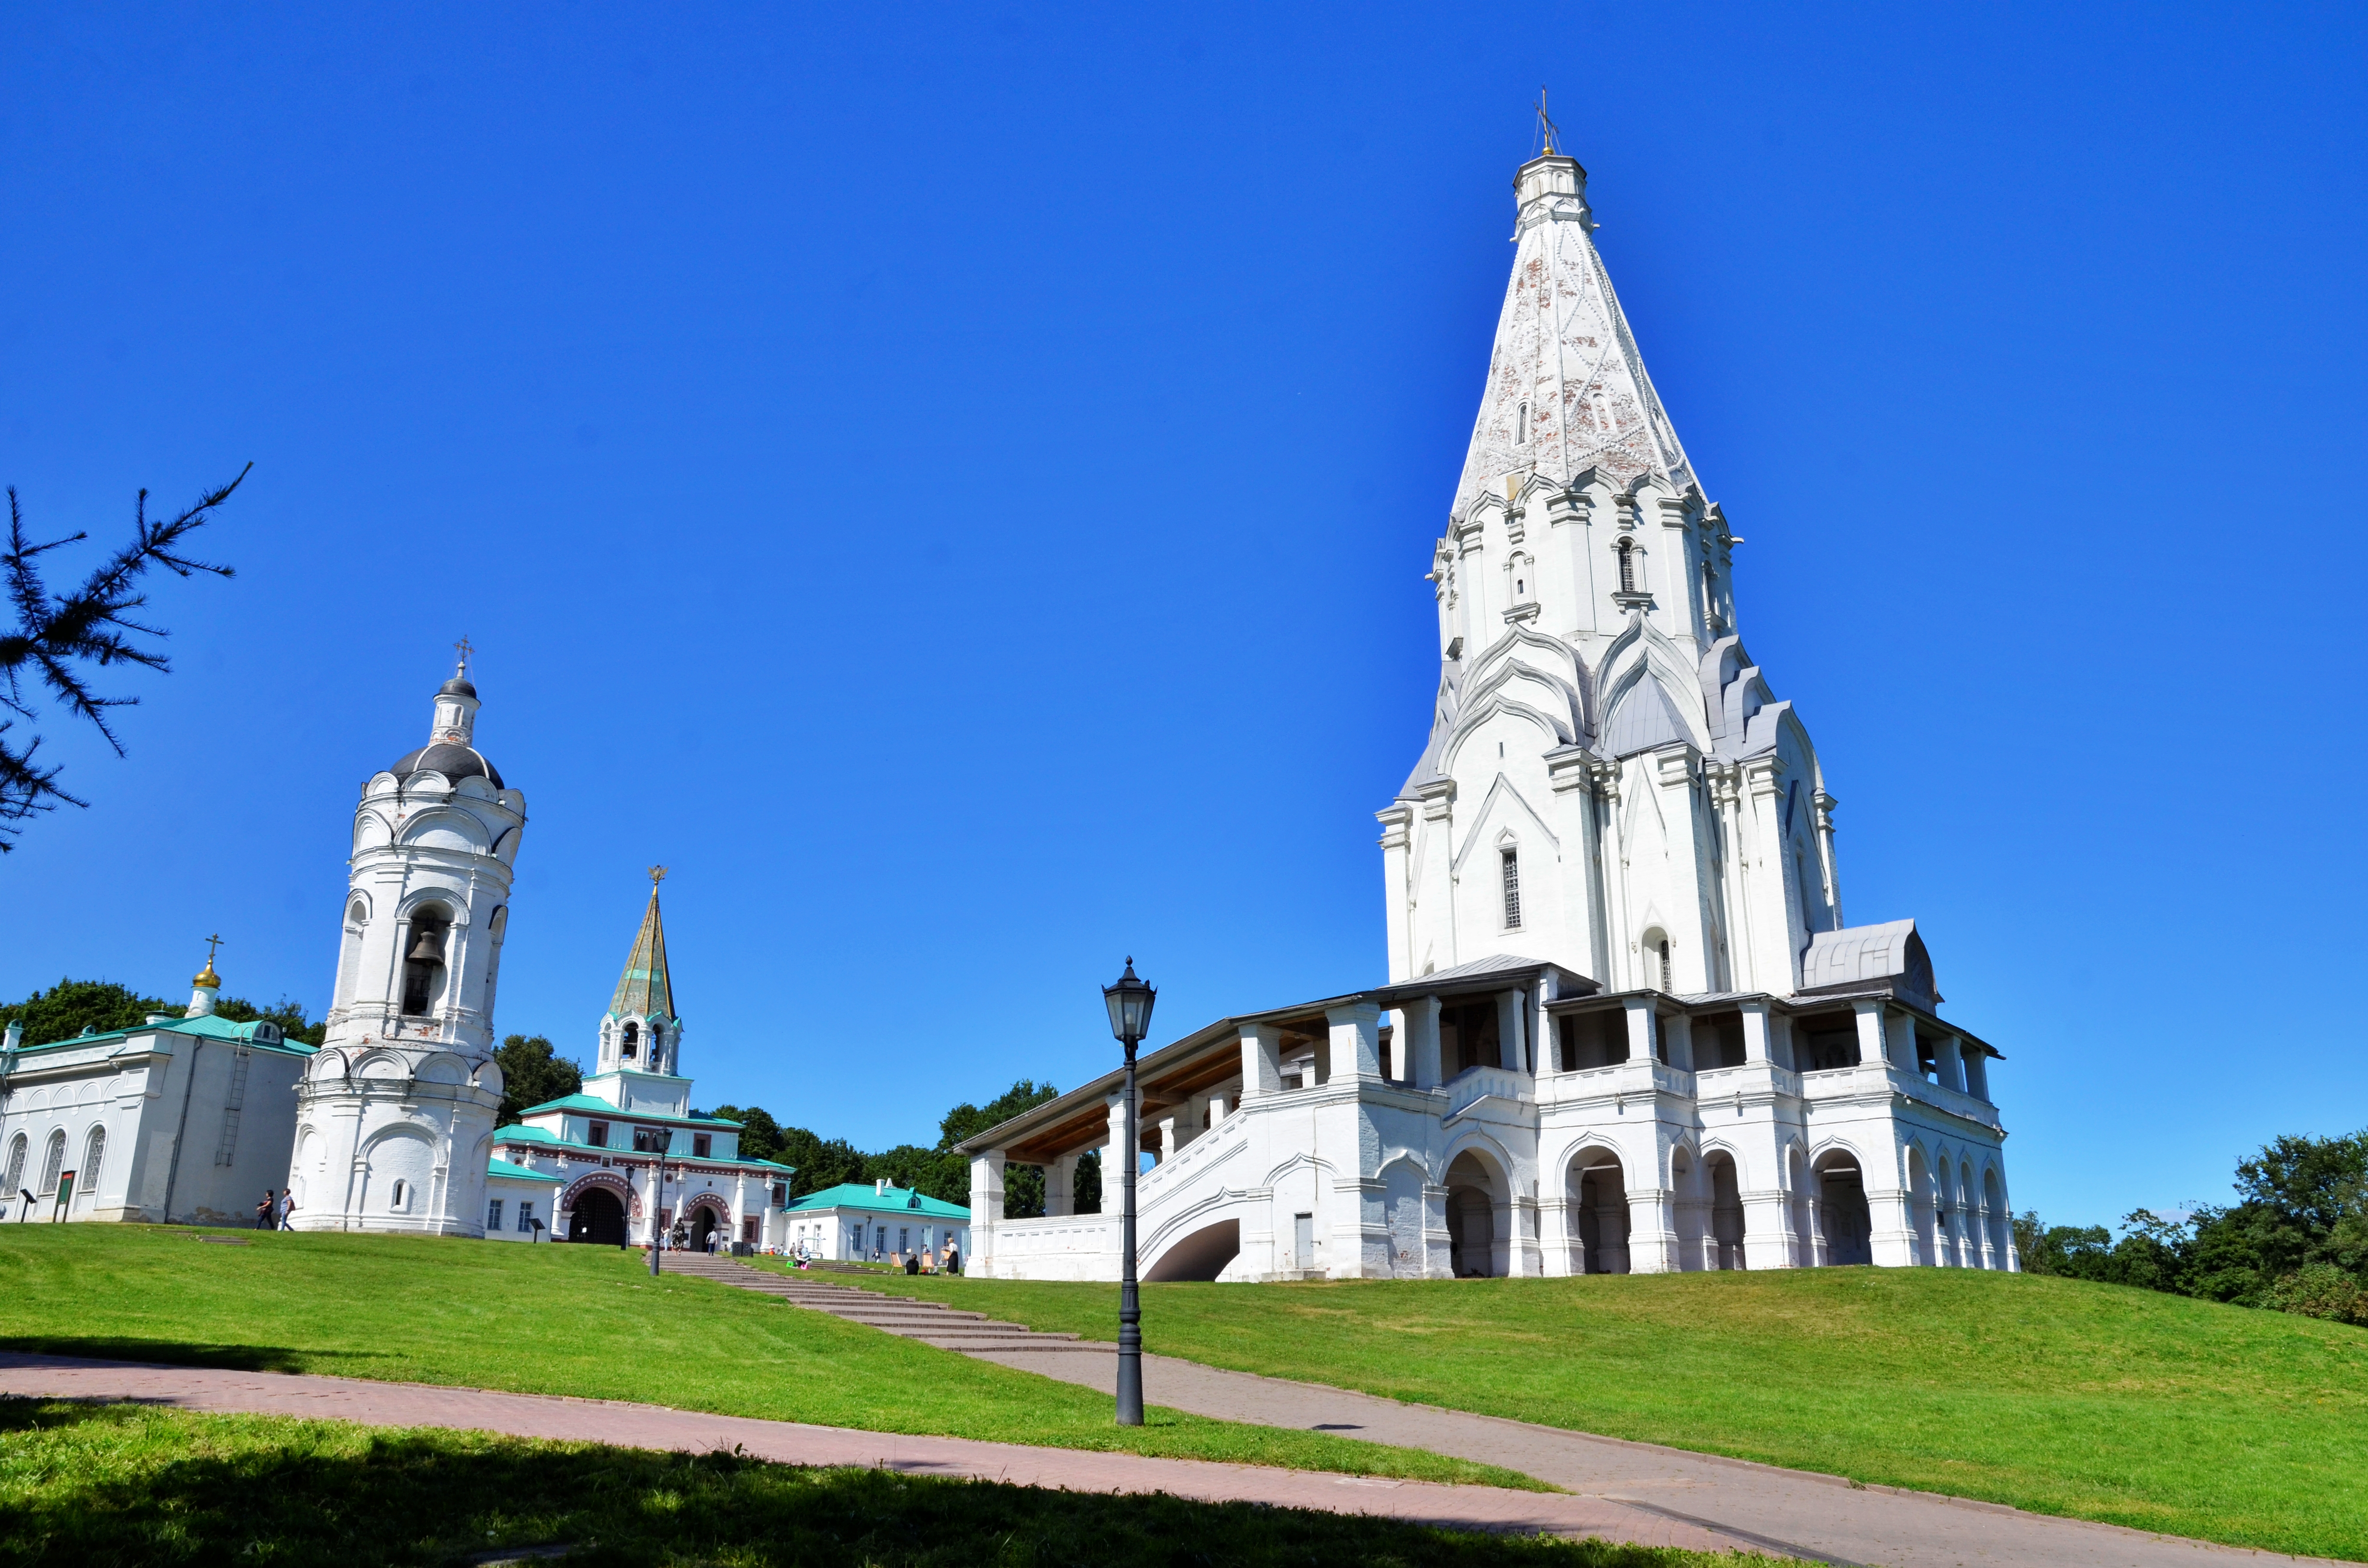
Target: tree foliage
<point>533,1074</point>
<point>939,1172</point>
<point>72,1006</point>
<point>2295,1239</point>
<point>56,637</point>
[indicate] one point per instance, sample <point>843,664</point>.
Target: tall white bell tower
<point>395,1117</point>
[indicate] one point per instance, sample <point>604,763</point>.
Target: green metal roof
<point>592,1105</point>
<point>207,1027</point>
<point>646,989</point>
<point>543,1136</point>
<point>895,1200</point>
<point>519,1173</point>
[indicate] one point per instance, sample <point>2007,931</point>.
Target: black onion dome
<point>450,759</point>
<point>457,686</point>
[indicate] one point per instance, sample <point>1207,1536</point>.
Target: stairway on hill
<point>928,1321</point>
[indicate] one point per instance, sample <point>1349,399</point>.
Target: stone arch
<point>443,1067</point>
<point>1595,1186</point>
<point>1479,1210</point>
<point>702,1215</point>
<point>1721,1180</point>
<point>1844,1226</point>
<point>1923,1204</point>
<point>381,1064</point>
<point>1800,1241</point>
<point>1199,1255</point>
<point>1967,1233</point>
<point>1997,1222</point>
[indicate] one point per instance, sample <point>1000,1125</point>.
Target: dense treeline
<point>937,1171</point>
<point>2295,1239</point>
<point>72,1006</point>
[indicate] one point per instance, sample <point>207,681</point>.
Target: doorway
<point>598,1218</point>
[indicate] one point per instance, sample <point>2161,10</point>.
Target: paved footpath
<point>787,1442</point>
<point>1792,1512</point>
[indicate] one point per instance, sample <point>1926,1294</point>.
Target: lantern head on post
<point>1130,1006</point>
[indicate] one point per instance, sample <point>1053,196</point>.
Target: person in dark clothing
<point>912,1263</point>
<point>264,1210</point>
<point>953,1260</point>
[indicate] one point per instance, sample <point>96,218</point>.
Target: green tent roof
<point>646,989</point>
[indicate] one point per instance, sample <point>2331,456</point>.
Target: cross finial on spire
<point>657,875</point>
<point>1548,135</point>
<point>463,649</point>
<point>212,943</point>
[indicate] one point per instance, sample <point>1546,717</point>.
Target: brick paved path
<point>654,1427</point>
<point>1794,1512</point>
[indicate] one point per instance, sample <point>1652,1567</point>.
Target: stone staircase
<point>933,1324</point>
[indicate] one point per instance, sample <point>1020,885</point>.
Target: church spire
<point>645,989</point>
<point>1566,389</point>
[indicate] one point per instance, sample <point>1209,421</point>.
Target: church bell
<point>427,950</point>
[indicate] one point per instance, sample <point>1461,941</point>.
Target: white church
<point>1626,1027</point>
<point>394,1121</point>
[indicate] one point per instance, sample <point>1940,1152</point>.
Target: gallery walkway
<point>687,1431</point>
<point>1793,1512</point>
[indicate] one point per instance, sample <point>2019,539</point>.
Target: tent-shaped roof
<point>645,989</point>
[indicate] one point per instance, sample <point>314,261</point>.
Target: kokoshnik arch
<point>1625,1027</point>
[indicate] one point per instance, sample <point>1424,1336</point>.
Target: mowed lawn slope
<point>572,1320</point>
<point>2094,1401</point>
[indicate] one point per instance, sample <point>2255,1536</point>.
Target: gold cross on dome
<point>212,943</point>
<point>657,875</point>
<point>1546,126</point>
<point>463,648</point>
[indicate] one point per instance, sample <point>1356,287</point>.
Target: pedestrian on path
<point>286,1206</point>
<point>263,1211</point>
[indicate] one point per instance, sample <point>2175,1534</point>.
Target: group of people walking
<point>271,1214</point>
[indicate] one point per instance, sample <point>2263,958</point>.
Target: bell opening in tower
<point>423,967</point>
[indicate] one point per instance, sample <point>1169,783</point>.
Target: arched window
<point>1521,426</point>
<point>396,1204</point>
<point>1520,576</point>
<point>632,1039</point>
<point>93,1157</point>
<point>423,963</point>
<point>1511,860</point>
<point>1667,983</point>
<point>52,1161</point>
<point>16,1169</point>
<point>1627,553</point>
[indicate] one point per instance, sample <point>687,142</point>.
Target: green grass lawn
<point>2092,1401</point>
<point>574,1320</point>
<point>120,1484</point>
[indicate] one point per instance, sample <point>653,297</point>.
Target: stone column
<point>985,1212</point>
<point>1421,1046</point>
<point>1652,1229</point>
<point>1643,1034</point>
<point>1899,1041</point>
<point>1509,1030</point>
<point>1218,1106</point>
<point>1870,1043</point>
<point>1758,1048</point>
<point>1678,1031</point>
<point>1061,1187</point>
<point>1356,1030</point>
<point>1951,1060</point>
<point>1167,1137</point>
<point>1261,1061</point>
<point>1976,1066</point>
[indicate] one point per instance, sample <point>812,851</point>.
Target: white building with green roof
<point>185,1119</point>
<point>630,1158</point>
<point>876,1223</point>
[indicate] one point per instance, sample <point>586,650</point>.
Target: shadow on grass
<point>180,1353</point>
<point>123,1484</point>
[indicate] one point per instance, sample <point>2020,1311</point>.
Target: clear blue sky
<point>957,490</point>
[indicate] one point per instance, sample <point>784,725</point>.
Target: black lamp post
<point>1130,1015</point>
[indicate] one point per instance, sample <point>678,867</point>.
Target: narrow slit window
<point>1666,984</point>
<point>1627,567</point>
<point>1512,863</point>
<point>1522,426</point>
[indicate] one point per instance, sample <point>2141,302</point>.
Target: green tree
<point>533,1074</point>
<point>73,1007</point>
<point>760,1135</point>
<point>51,639</point>
<point>821,1163</point>
<point>1023,1186</point>
<point>2302,1201</point>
